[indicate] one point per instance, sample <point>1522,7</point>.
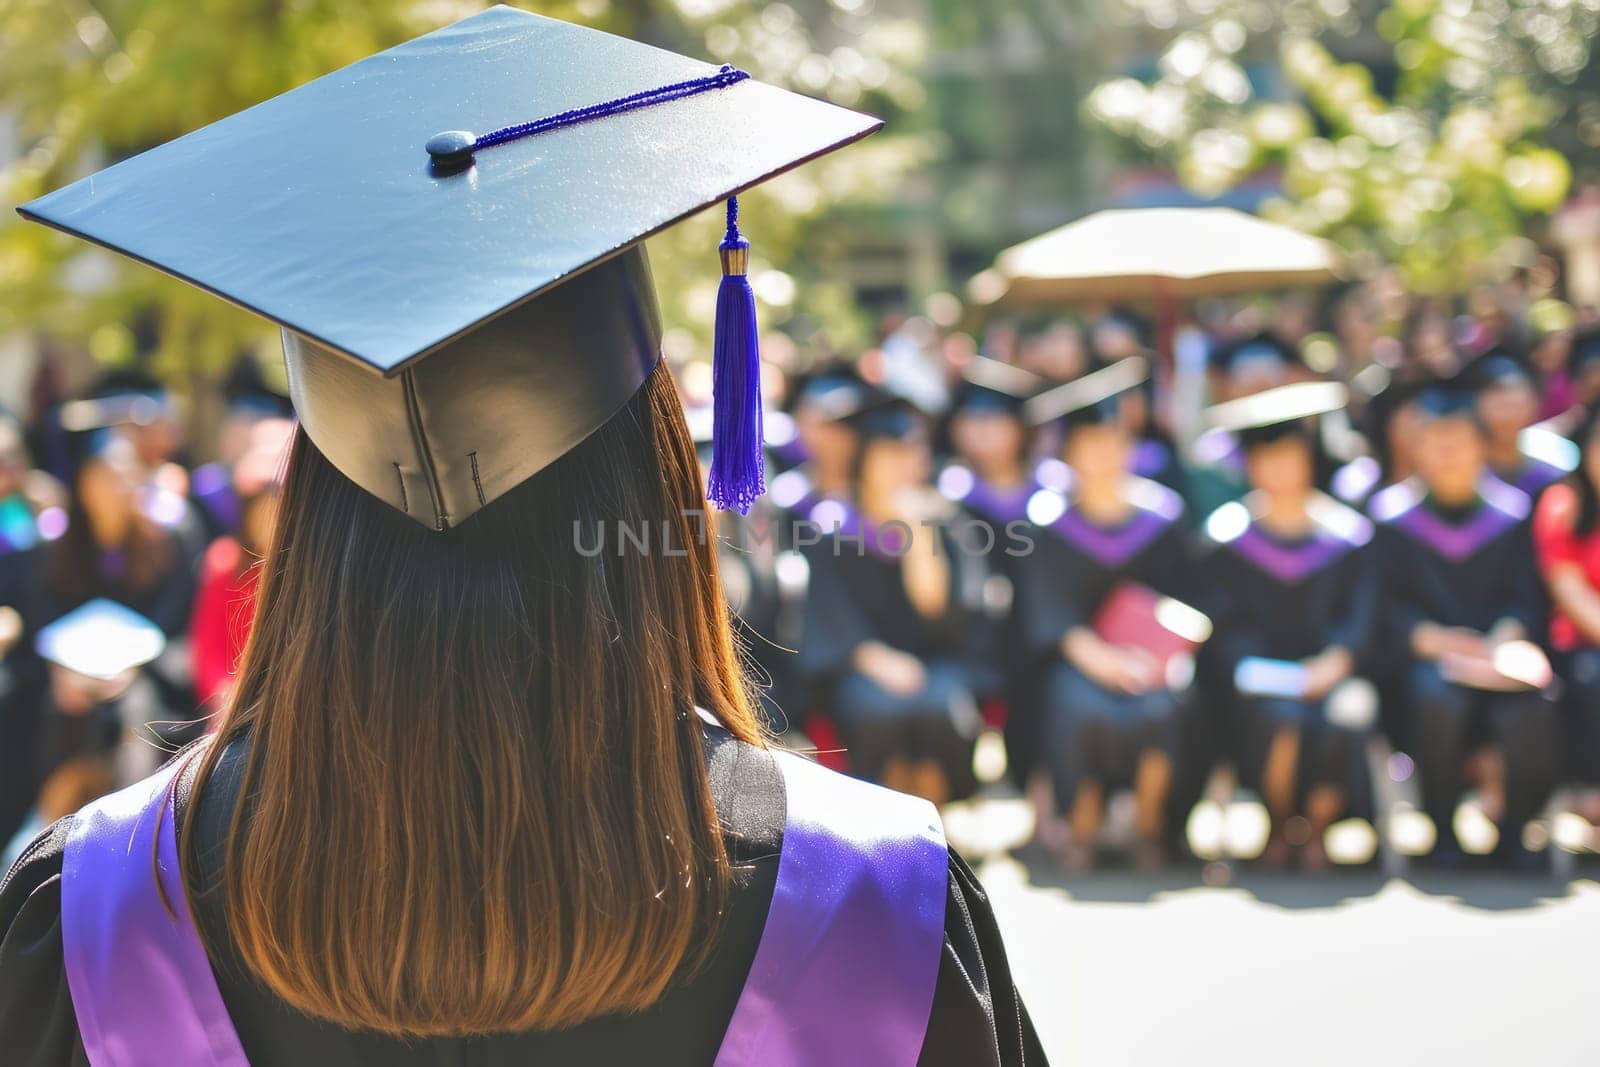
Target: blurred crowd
<point>1326,552</point>
<point>1334,555</point>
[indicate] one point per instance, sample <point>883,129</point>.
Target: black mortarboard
<point>334,210</point>
<point>1497,367</point>
<point>889,416</point>
<point>1274,414</point>
<point>835,394</point>
<point>993,385</point>
<point>1260,349</point>
<point>120,398</point>
<point>1447,398</point>
<point>1585,350</point>
<point>1095,398</point>
<point>248,393</point>
<point>101,639</point>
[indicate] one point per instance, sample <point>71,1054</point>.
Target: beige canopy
<point>1159,254</point>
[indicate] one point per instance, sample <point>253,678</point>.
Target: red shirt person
<point>224,606</point>
<point>1566,530</point>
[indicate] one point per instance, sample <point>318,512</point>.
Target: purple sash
<point>847,962</point>
<point>141,984</point>
<point>844,973</point>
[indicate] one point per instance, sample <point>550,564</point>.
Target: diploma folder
<point>1137,616</point>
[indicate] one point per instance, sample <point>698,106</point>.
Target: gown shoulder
<point>977,1018</point>
<point>37,1025</point>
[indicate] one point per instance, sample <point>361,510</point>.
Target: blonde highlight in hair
<point>474,798</point>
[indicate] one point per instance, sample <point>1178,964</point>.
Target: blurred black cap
<point>1093,399</point>
<point>1274,414</point>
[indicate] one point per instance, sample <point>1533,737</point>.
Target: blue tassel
<point>738,462</point>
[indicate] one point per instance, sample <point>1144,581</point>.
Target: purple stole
<point>848,959</point>
<point>1156,508</point>
<point>142,987</point>
<point>1150,458</point>
<point>1502,508</point>
<point>1290,561</point>
<point>844,972</point>
<point>999,504</point>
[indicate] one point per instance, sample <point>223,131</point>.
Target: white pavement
<point>1341,969</point>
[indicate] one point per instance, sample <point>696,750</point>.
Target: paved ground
<point>1347,968</point>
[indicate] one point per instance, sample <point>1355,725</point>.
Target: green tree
<point>90,81</point>
<point>1441,173</point>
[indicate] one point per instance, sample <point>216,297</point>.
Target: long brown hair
<point>475,796</point>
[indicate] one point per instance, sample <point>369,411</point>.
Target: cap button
<point>451,146</point>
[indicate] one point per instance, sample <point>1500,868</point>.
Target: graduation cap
<point>460,309</point>
<point>118,399</point>
<point>834,394</point>
<point>1585,350</point>
<point>1447,398</point>
<point>1274,414</point>
<point>889,416</point>
<point>1496,368</point>
<point>1261,350</point>
<point>101,639</point>
<point>248,394</point>
<point>1095,398</point>
<point>991,385</point>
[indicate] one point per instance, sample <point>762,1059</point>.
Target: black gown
<point>1287,599</point>
<point>23,699</point>
<point>858,594</point>
<point>1465,566</point>
<point>1087,731</point>
<point>977,1018</point>
<point>1000,645</point>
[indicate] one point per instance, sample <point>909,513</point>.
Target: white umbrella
<point>1156,254</point>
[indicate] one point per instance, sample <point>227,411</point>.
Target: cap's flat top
<point>1286,403</point>
<point>321,210</point>
<point>101,639</point>
<point>1093,388</point>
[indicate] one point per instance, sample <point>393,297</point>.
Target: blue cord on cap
<point>454,148</point>
<point>738,459</point>
<point>738,467</point>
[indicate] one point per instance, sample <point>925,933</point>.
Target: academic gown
<point>1287,599</point>
<point>857,594</point>
<point>977,1019</point>
<point>23,703</point>
<point>1462,566</point>
<point>1004,513</point>
<point>1076,564</point>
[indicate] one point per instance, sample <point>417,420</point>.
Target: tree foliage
<point>89,81</point>
<point>1439,173</point>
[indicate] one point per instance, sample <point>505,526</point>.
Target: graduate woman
<point>991,478</point>
<point>479,795</point>
<point>892,615</point>
<point>1457,584</point>
<point>1290,593</point>
<point>1110,712</point>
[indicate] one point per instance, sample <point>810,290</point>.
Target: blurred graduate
<point>1290,593</point>
<point>1105,547</point>
<point>1566,531</point>
<point>1460,602</point>
<point>1527,457</point>
<point>992,478</point>
<point>892,614</point>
